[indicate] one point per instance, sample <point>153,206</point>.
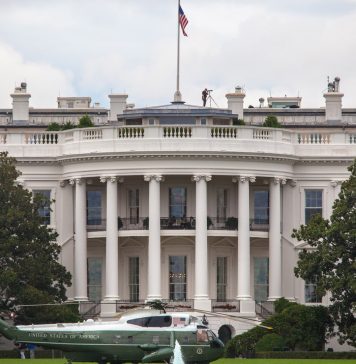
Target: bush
<point>236,121</point>
<point>231,223</point>
<point>85,122</point>
<point>53,127</point>
<point>281,304</point>
<point>271,121</point>
<point>146,223</point>
<point>306,355</point>
<point>270,342</point>
<point>68,125</point>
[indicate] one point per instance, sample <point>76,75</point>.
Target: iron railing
<point>225,306</point>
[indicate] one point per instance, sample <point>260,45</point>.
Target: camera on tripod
<point>206,95</point>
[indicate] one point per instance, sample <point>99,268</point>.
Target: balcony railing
<point>172,223</point>
<point>225,306</point>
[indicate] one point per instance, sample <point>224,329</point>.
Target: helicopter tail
<point>7,330</point>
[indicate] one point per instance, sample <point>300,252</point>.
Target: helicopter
<point>144,335</point>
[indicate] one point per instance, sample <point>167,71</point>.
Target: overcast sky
<point>94,47</point>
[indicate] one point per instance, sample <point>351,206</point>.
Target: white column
<point>80,247</point>
<point>112,253</point>
<point>275,247</point>
<point>243,261</point>
<point>201,238</point>
<point>154,238</point>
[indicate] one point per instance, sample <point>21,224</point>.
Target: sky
<point>97,47</point>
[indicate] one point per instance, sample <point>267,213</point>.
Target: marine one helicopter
<point>142,335</point>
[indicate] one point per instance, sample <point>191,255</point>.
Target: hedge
<point>305,355</point>
<point>39,354</point>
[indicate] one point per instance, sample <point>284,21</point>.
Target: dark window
<point>134,278</point>
<point>221,278</point>
<point>152,321</point>
<point>261,207</point>
<point>221,205</point>
<point>134,205</point>
<point>45,210</point>
<point>178,278</point>
<point>261,278</point>
<point>177,202</point>
<point>313,203</point>
<point>94,207</point>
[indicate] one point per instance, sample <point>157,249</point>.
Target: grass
<point>220,361</point>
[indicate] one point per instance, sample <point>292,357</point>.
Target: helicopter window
<point>155,339</point>
<point>153,321</point>
<point>202,336</point>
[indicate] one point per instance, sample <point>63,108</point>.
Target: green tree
<point>271,121</point>
<point>30,272</point>
<point>85,122</point>
<point>68,125</point>
<point>331,259</point>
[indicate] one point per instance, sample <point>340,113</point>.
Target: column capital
<point>112,179</point>
<point>198,177</point>
<point>292,182</point>
<point>279,180</point>
<point>156,177</point>
<point>20,182</point>
<point>335,183</point>
<point>76,181</point>
<point>63,183</point>
<point>244,179</point>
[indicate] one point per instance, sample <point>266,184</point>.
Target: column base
<point>81,298</point>
<point>108,308</point>
<point>273,298</point>
<point>248,306</point>
<point>153,298</point>
<point>203,304</point>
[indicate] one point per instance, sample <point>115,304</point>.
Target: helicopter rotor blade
<point>234,318</point>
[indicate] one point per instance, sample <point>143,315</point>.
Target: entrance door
<point>178,278</point>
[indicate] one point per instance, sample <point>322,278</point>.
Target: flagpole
<point>177,94</point>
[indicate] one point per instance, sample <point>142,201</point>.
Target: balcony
<point>172,223</point>
<point>204,139</point>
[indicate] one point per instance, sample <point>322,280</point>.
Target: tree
<point>29,268</point>
<point>271,121</point>
<point>53,127</point>
<point>85,122</point>
<point>331,259</point>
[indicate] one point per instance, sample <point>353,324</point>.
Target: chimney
<point>333,105</point>
<point>235,102</point>
<point>117,105</point>
<point>20,105</point>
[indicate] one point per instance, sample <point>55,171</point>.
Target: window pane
<point>221,204</point>
<point>221,278</point>
<point>177,202</point>
<point>177,278</point>
<point>311,294</point>
<point>134,279</point>
<point>261,278</point>
<point>45,210</point>
<point>134,205</point>
<point>313,203</point>
<point>261,207</point>
<point>94,199</point>
<point>94,278</point>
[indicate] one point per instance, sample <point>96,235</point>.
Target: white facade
<point>175,175</point>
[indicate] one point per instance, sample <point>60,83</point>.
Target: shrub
<point>68,125</point>
<point>236,121</point>
<point>271,121</point>
<point>270,342</point>
<point>281,304</point>
<point>306,355</point>
<point>209,222</point>
<point>231,223</point>
<point>85,122</point>
<point>53,127</point>
<point>146,223</point>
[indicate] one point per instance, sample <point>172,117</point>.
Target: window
<point>134,279</point>
<point>177,278</point>
<point>313,203</point>
<point>94,278</point>
<point>310,292</point>
<point>221,205</point>
<point>177,202</point>
<point>152,321</point>
<point>94,199</point>
<point>221,278</point>
<point>261,278</point>
<point>134,205</point>
<point>45,210</point>
<point>261,207</point>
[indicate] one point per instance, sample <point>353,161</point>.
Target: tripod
<point>211,99</point>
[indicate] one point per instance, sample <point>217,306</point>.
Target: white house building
<point>178,202</point>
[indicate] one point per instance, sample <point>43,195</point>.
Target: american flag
<point>183,20</point>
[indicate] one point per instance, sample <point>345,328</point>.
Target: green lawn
<point>221,361</point>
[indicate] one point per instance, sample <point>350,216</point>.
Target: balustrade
<point>177,132</point>
<point>313,138</point>
<point>41,138</point>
